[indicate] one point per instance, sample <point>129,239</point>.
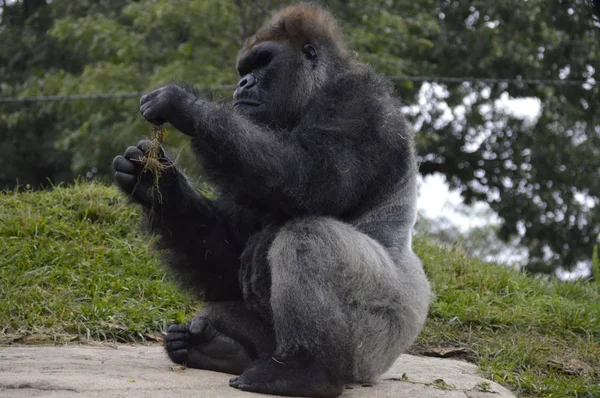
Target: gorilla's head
<point>285,64</point>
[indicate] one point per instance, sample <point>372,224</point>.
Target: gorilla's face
<point>276,83</point>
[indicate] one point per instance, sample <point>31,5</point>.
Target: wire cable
<point>587,84</point>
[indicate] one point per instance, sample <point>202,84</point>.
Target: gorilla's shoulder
<point>358,81</point>
<point>357,96</point>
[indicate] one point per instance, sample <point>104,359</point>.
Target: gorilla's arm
<point>203,239</point>
<point>322,167</point>
<point>203,242</point>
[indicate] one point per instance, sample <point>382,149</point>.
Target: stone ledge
<point>145,371</point>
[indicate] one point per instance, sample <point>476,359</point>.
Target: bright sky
<point>437,200</point>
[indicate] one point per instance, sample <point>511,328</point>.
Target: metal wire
<point>85,97</point>
<point>491,80</point>
<point>210,90</point>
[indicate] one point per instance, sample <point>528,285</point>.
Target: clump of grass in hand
<point>152,161</point>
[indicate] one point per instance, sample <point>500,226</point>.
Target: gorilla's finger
<point>123,165</point>
<point>162,155</point>
<point>149,96</point>
<point>151,114</point>
<point>178,329</point>
<point>126,181</point>
<point>133,153</point>
<point>145,98</point>
<point>144,145</point>
<point>176,345</point>
<point>146,110</point>
<point>144,107</point>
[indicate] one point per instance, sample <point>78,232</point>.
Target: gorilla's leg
<point>226,338</point>
<point>343,309</point>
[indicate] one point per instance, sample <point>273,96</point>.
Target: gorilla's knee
<point>314,241</point>
<point>325,245</point>
<point>310,228</point>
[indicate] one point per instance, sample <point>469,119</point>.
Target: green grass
<point>72,262</point>
<point>538,336</point>
<point>74,266</point>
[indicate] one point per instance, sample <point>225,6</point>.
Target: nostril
<point>246,82</point>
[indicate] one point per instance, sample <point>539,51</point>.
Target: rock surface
<point>145,371</point>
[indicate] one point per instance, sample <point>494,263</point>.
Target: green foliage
<point>540,176</point>
<point>127,47</point>
<point>74,266</point>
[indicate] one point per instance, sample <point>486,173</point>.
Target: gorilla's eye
<point>262,59</point>
<point>255,61</point>
<point>309,51</point>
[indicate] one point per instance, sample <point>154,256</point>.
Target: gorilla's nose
<point>246,82</point>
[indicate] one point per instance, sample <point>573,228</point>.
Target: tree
<point>27,141</point>
<point>95,47</point>
<point>541,177</point>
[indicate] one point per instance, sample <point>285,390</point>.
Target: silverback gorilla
<point>305,259</point>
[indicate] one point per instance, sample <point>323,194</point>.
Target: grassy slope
<point>73,264</point>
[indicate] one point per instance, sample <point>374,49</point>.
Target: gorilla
<point>304,260</point>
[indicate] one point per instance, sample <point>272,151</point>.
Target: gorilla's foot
<point>269,376</point>
<point>201,346</point>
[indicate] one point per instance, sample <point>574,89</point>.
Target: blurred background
<point>502,95</point>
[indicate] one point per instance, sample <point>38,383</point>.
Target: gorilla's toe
<point>176,343</point>
<point>268,376</point>
<point>201,346</point>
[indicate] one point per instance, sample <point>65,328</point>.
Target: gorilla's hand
<point>140,184</point>
<point>172,104</point>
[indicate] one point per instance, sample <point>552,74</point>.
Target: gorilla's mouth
<point>247,102</point>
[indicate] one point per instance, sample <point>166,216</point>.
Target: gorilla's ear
<point>310,52</point>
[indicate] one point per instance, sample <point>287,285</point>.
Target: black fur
<point>314,150</point>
